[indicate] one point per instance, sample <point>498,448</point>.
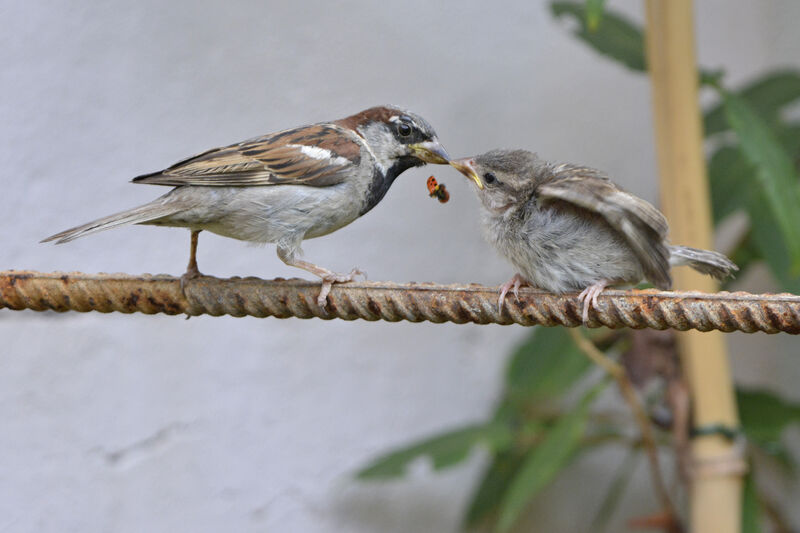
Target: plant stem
<point>617,372</point>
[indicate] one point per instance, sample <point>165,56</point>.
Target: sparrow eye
<point>404,129</point>
<point>489,178</point>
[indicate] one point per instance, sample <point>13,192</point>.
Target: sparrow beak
<point>430,152</point>
<point>465,167</point>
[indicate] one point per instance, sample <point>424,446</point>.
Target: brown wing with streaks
<point>642,225</point>
<point>318,156</point>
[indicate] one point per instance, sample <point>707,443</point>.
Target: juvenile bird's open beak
<point>465,167</point>
<point>431,152</point>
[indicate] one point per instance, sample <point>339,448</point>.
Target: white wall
<point>155,423</point>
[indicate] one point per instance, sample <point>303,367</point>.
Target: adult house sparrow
<point>569,228</point>
<point>286,186</point>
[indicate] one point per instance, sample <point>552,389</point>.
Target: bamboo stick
<point>715,494</point>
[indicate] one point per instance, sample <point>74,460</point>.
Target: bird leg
<point>192,271</point>
<point>589,296</point>
<point>516,282</point>
<point>328,276</point>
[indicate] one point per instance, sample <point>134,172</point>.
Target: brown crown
<point>373,114</point>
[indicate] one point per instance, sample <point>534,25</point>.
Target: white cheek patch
<point>381,144</point>
<point>315,152</point>
<point>381,165</point>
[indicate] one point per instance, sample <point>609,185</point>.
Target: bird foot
<point>516,282</point>
<point>332,277</point>
<point>190,274</point>
<point>588,298</point>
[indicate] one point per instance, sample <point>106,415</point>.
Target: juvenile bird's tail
<point>137,215</point>
<point>712,263</point>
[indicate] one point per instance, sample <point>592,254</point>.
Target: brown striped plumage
<point>269,160</point>
<point>287,186</point>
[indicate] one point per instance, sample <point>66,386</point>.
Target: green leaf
<point>487,497</point>
<point>780,453</point>
<point>763,242</point>
<point>554,452</point>
<point>444,450</point>
<point>765,415</point>
<point>730,177</point>
<point>744,255</point>
<point>729,170</point>
<point>767,95</point>
<point>751,516</point>
<point>711,78</point>
<point>616,37</point>
<point>770,243</point>
<point>775,172</point>
<point>545,365</point>
<point>594,13</point>
<point>789,135</point>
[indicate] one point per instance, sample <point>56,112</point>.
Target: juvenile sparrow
<point>568,228</point>
<point>287,186</point>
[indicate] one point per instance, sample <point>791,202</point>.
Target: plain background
<point>156,423</point>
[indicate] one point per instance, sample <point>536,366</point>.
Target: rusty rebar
<point>415,302</point>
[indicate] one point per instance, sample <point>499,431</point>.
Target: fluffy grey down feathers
<point>567,227</point>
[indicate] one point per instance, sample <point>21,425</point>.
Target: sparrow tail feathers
<point>712,263</point>
<point>137,215</point>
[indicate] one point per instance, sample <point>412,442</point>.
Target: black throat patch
<point>381,182</point>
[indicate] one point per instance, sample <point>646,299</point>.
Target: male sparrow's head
<point>503,177</point>
<point>398,138</point>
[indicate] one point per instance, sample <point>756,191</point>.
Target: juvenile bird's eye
<point>489,178</point>
<point>404,129</point>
